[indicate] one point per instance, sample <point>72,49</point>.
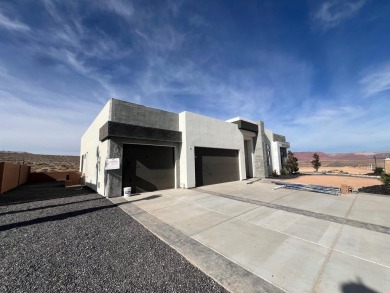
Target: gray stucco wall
<point>278,137</point>
<point>129,113</point>
<point>260,164</point>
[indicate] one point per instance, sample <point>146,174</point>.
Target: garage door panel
<point>215,166</point>
<point>148,168</point>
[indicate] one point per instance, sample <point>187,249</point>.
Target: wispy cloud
<point>329,113</point>
<point>12,24</point>
<point>332,13</point>
<point>176,55</point>
<point>338,127</point>
<point>25,121</point>
<point>120,7</point>
<point>377,81</point>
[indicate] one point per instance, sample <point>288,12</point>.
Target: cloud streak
<point>377,81</point>
<point>62,63</point>
<point>12,24</point>
<point>334,12</point>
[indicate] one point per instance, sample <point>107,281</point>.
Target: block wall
<point>12,176</point>
<point>387,166</point>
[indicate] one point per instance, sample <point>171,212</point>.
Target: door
<point>148,167</point>
<point>215,166</point>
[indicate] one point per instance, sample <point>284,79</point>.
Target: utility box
<point>345,189</point>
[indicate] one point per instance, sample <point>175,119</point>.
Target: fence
<point>12,176</point>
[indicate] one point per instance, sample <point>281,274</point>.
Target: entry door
<point>148,167</point>
<point>248,158</point>
<point>214,166</point>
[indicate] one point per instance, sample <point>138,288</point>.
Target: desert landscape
<point>347,163</point>
<point>342,165</point>
<point>338,164</point>
<point>42,163</point>
<point>352,163</point>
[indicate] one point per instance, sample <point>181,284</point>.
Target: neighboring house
<point>130,145</point>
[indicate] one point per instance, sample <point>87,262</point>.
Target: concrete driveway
<point>251,238</point>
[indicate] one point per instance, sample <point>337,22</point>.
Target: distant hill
<point>42,163</point>
<point>358,159</point>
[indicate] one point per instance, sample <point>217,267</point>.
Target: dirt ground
<point>349,170</point>
<point>335,181</point>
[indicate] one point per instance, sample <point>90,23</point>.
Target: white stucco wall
<point>275,151</point>
<point>95,151</point>
<point>203,131</point>
<point>275,154</point>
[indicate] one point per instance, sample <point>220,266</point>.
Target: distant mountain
<point>358,156</point>
<point>11,152</point>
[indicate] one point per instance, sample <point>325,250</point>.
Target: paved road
<point>54,239</point>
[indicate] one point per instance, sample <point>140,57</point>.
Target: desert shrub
<point>274,173</point>
<point>283,172</point>
<point>316,162</point>
<point>291,164</point>
<point>385,178</point>
<point>378,171</point>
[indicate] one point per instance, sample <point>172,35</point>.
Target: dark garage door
<point>148,168</point>
<point>215,166</point>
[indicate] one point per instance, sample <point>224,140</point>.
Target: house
<point>147,149</point>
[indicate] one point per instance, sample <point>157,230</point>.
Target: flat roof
<point>242,119</point>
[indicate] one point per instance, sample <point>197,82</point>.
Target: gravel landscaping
<point>73,240</point>
<point>378,189</point>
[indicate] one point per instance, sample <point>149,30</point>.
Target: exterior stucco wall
<point>276,141</point>
<point>138,115</point>
<point>260,167</point>
<point>203,131</point>
<point>268,140</point>
<point>195,130</point>
<point>93,152</point>
<point>129,113</point>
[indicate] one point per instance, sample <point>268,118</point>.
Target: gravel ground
<point>378,189</point>
<point>54,239</point>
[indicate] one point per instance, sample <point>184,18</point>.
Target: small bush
<point>291,164</point>
<point>378,171</point>
<point>274,173</point>
<point>385,178</point>
<point>283,172</point>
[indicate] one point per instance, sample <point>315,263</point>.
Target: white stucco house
<point>130,145</point>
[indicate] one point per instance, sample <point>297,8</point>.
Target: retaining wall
<point>70,178</point>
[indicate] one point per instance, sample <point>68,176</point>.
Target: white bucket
<point>127,191</point>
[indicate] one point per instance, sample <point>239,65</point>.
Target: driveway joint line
<point>330,218</point>
<point>329,254</point>
<point>275,288</point>
<point>361,258</point>
<point>233,261</point>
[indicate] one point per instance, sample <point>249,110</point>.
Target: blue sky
<point>315,71</point>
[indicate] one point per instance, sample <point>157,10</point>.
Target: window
<point>268,153</point>
<point>82,163</point>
